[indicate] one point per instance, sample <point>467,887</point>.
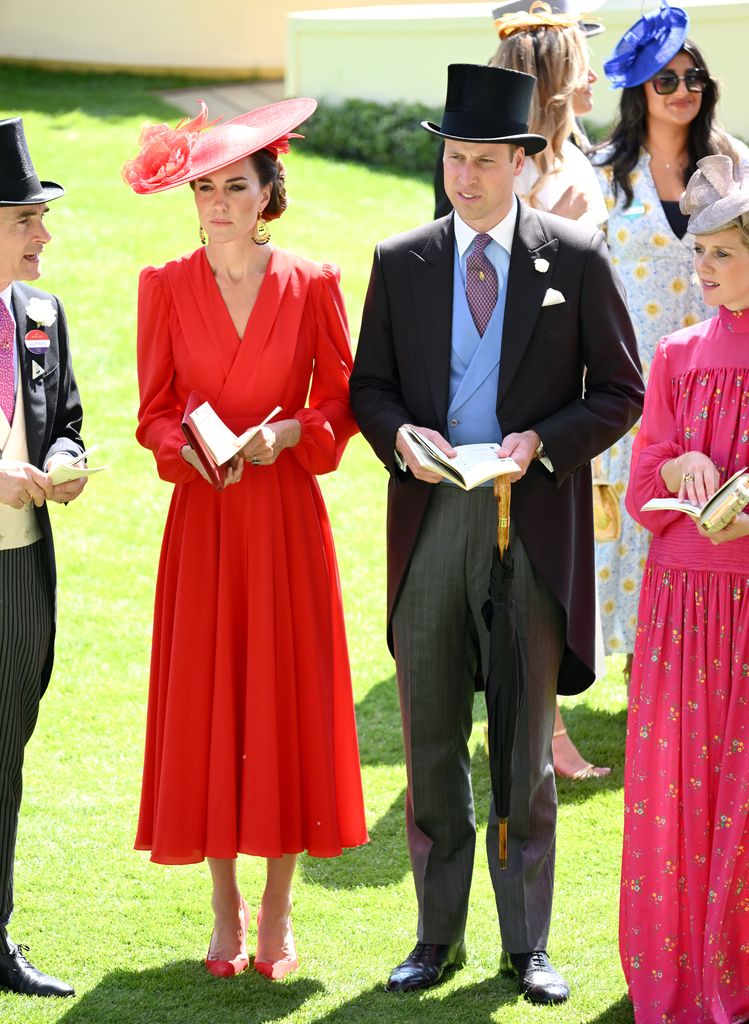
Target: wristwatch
<point>540,452</point>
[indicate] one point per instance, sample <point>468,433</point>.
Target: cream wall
<point>226,38</point>
<point>389,53</point>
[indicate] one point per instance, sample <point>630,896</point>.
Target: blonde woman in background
<point>553,48</point>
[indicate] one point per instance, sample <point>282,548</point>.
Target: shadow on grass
<point>183,991</point>
<point>474,1003</point>
<point>383,862</point>
<point>378,721</point>
<point>620,1012</point>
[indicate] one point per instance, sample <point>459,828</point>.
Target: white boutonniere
<point>541,265</point>
<point>41,311</point>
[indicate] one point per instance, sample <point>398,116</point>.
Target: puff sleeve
<point>327,421</point>
<point>160,413</point>
<point>655,444</point>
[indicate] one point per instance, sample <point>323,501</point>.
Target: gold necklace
<point>668,164</point>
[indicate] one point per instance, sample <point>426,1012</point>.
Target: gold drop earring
<point>261,234</point>
<point>203,235</point>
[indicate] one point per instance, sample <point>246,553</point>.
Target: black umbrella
<point>505,678</point>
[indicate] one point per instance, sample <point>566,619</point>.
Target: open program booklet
<point>473,465</point>
<point>718,511</point>
<point>210,438</point>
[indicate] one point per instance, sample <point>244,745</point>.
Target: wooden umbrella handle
<point>502,493</point>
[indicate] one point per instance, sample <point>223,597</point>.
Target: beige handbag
<point>607,515</point>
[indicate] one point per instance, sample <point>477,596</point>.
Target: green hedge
<point>386,135</point>
<point>376,134</point>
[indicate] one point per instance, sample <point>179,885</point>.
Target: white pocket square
<point>552,297</point>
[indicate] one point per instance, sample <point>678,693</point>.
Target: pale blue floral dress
<point>662,296</point>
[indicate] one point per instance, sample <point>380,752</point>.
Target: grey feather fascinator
<point>717,194</point>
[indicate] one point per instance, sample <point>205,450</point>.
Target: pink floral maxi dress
<point>684,914</point>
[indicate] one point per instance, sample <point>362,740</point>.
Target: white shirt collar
<point>502,233</point>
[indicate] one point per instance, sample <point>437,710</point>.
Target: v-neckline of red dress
<point>264,283</point>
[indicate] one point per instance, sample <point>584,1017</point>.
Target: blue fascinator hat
<point>647,47</point>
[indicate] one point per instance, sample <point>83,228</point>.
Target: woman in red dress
<point>684,912</point>
<point>251,740</point>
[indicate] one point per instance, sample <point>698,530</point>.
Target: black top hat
<point>19,183</point>
<point>486,104</point>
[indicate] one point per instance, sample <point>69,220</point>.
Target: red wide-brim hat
<point>195,149</point>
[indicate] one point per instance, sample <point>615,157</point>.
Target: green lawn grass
<point>131,935</point>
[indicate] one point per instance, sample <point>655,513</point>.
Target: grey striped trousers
<point>25,633</point>
<point>441,644</point>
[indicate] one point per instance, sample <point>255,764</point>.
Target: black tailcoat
<point>570,372</point>
<point>52,409</point>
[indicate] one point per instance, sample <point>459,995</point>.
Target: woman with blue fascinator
<point>684,910</point>
<point>666,123</point>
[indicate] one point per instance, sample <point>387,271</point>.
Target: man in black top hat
<point>495,323</point>
<point>40,420</point>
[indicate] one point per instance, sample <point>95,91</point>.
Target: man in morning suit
<point>495,323</point>
<point>40,420</point>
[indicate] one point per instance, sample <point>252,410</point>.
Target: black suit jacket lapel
<point>34,398</point>
<point>431,270</point>
<point>526,287</point>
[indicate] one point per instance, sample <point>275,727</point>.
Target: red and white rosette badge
<point>43,313</point>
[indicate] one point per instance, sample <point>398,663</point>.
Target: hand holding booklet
<point>473,465</point>
<point>62,472</point>
<point>210,438</point>
<point>718,511</point>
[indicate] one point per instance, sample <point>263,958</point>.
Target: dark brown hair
<point>271,171</point>
<point>706,137</point>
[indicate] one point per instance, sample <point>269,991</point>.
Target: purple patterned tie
<point>7,338</point>
<point>481,283</point>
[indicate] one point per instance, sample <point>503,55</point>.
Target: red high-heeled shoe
<point>228,968</point>
<point>283,965</point>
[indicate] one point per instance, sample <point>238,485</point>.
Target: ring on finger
<point>687,478</point>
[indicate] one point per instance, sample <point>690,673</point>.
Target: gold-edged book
<point>210,438</point>
<point>718,511</point>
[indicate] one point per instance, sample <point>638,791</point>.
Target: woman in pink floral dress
<point>684,920</point>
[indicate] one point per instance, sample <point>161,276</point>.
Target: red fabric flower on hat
<point>164,153</point>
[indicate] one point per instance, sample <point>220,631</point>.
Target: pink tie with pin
<point>7,339</point>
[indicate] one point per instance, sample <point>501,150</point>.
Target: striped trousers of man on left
<point>25,633</point>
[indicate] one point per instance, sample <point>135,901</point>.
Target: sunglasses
<point>666,82</point>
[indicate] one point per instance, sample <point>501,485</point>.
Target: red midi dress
<point>684,910</point>
<point>251,740</point>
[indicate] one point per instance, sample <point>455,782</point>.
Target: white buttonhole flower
<point>541,265</point>
<point>41,311</point>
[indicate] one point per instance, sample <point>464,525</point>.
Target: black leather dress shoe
<point>425,965</point>
<point>18,975</point>
<point>537,979</point>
